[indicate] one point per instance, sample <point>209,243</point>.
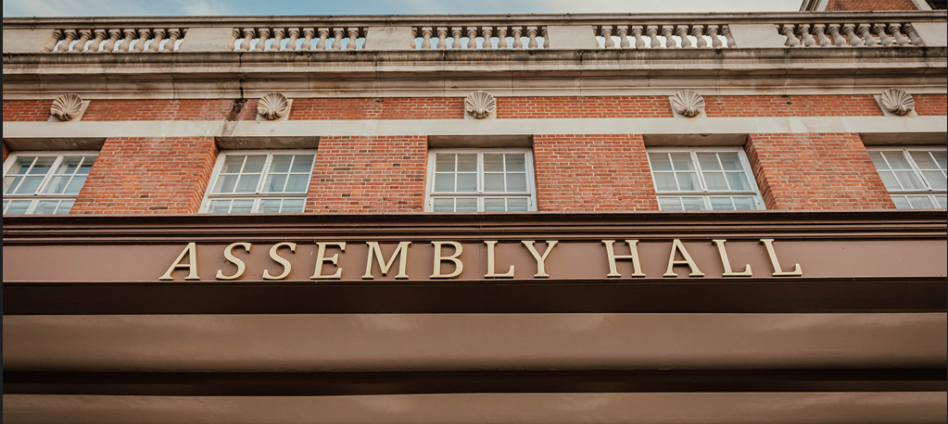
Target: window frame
<point>480,194</point>
<point>39,196</point>
<point>257,196</point>
<point>904,150</point>
<point>704,193</point>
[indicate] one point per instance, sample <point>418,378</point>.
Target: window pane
<point>43,165</point>
<point>659,161</point>
<point>5,203</point>
<point>715,180</point>
<point>920,202</point>
<point>68,165</point>
<point>21,165</point>
<point>693,203</point>
<point>64,207</point>
<point>444,183</point>
<point>721,204</point>
<point>467,205</point>
<point>76,184</point>
<point>226,184</point>
<point>275,183</point>
<point>467,183</point>
<point>46,207</point>
<point>516,183</point>
<point>242,206</point>
<point>516,163</point>
<point>909,180</point>
<point>87,165</point>
<point>247,184</point>
<point>744,204</point>
<point>444,205</point>
<point>254,164</point>
<point>233,163</point>
<point>467,162</point>
<point>738,181</point>
<point>889,180</point>
<point>897,160</point>
<point>56,185</point>
<point>280,163</point>
<point>494,205</point>
<point>444,163</point>
<point>293,205</point>
<point>219,206</point>
<point>270,206</point>
<point>935,179</point>
<point>493,163</point>
<point>18,207</point>
<point>665,181</point>
<point>923,160</point>
<point>940,158</point>
<point>682,161</point>
<point>687,181</point>
<point>878,161</point>
<point>494,183</point>
<point>517,205</point>
<point>731,161</point>
<point>297,184</point>
<point>29,185</point>
<point>709,162</point>
<point>669,204</point>
<point>302,163</point>
<point>9,184</point>
<point>900,202</point>
<point>942,201</point>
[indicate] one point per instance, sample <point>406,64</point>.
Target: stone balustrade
<point>471,37</point>
<point>663,36</point>
<point>314,38</point>
<point>111,40</point>
<point>850,34</point>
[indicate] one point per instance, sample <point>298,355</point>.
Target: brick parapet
<point>840,5</point>
<point>770,106</point>
<point>369,175</point>
<point>26,110</point>
<point>592,173</point>
<point>377,108</point>
<point>931,104</point>
<point>583,107</point>
<point>148,176</point>
<point>171,110</point>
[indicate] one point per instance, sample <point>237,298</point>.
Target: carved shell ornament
<point>273,106</point>
<point>897,101</point>
<point>480,104</point>
<point>66,107</point>
<point>688,103</point>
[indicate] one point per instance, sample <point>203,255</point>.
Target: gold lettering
<point>275,255</point>
<point>541,260</point>
<point>375,250</point>
<point>778,271</point>
<point>490,262</point>
<point>727,264</point>
<point>677,246</point>
<point>229,255</point>
<point>191,251</point>
<point>322,259</point>
<point>634,256</point>
<point>438,259</point>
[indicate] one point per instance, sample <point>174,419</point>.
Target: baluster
<point>291,42</point>
<point>488,34</point>
<point>501,37</point>
<point>262,35</point>
<point>84,35</point>
<point>670,42</point>
<point>127,42</point>
<point>623,31</point>
<point>248,37</point>
<point>916,39</point>
<point>819,29</point>
<point>682,31</point>
<point>517,35</point>
<point>713,33</point>
<point>143,36</point>
<point>606,32</point>
<point>353,36</point>
<point>698,32</point>
<point>792,40</point>
<point>471,38</point>
<point>850,31</point>
<point>867,37</point>
<point>70,37</point>
<point>337,34</point>
<point>456,33</point>
<point>232,41</point>
<point>173,35</point>
<point>879,29</point>
<point>532,33</point>
<point>652,32</point>
<point>414,35</point>
<point>114,35</point>
<point>54,38</point>
<point>278,34</point>
<point>442,38</point>
<point>838,39</point>
<point>307,44</point>
<point>99,36</point>
<point>637,34</point>
<point>426,38</point>
<point>159,35</point>
<point>726,30</point>
<point>804,31</point>
<point>896,31</point>
<point>546,38</point>
<point>323,37</point>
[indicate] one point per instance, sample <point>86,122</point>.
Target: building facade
<point>657,218</point>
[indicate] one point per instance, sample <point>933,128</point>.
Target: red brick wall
<point>588,173</point>
<point>583,107</point>
<point>377,108</point>
<point>26,110</point>
<point>931,104</point>
<point>760,106</point>
<point>148,176</point>
<point>870,5</point>
<point>170,110</point>
<point>369,174</point>
<point>815,171</point>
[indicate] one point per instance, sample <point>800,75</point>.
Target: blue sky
<point>28,8</point>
